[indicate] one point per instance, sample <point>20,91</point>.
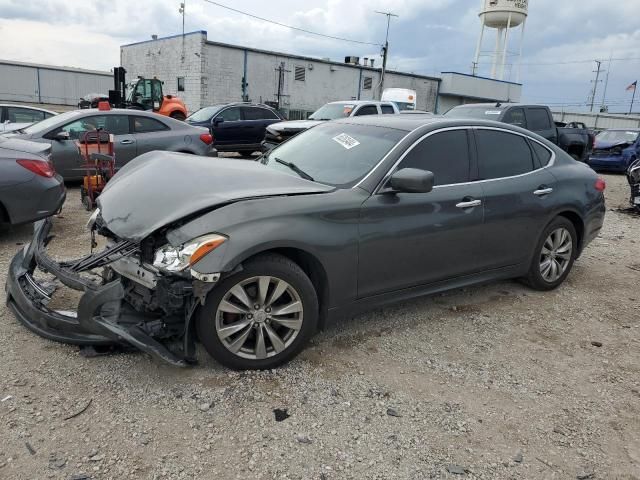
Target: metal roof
<point>54,67</point>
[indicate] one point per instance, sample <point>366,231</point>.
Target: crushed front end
<point>125,299</point>
<point>633,175</point>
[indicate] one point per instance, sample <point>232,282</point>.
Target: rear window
<point>484,113</point>
<point>331,111</point>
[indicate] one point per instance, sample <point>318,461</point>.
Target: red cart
<point>98,161</point>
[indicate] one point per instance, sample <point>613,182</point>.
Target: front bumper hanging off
<point>101,318</point>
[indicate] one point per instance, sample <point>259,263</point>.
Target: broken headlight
<point>177,259</point>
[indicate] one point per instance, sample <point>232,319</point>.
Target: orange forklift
<point>144,94</point>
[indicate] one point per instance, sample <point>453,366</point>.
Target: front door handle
<point>542,191</point>
<point>126,142</point>
<point>469,204</point>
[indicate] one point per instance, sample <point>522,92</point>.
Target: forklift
<point>144,94</point>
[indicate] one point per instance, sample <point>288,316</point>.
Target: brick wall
<point>167,60</point>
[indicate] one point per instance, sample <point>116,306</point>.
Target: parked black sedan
<point>236,127</point>
<point>251,258</point>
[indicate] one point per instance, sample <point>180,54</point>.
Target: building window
<point>181,84</point>
<point>300,74</point>
<point>368,82</point>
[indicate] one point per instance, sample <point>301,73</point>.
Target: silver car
<point>16,117</point>
<point>136,132</point>
<point>30,189</point>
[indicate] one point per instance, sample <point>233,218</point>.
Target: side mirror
<point>217,121</point>
<point>412,180</point>
<point>62,135</point>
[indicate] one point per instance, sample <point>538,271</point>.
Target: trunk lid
<point>18,145</point>
<point>159,188</point>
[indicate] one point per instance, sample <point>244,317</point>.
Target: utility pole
<point>182,12</point>
<point>603,107</point>
<point>385,52</point>
<point>595,83</point>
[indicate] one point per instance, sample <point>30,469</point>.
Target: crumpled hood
<point>294,125</point>
<point>159,188</point>
<point>600,145</point>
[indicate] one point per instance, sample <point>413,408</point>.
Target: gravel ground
<point>494,382</point>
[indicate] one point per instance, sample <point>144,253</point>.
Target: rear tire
<point>242,337</point>
<point>554,255</point>
<point>178,116</point>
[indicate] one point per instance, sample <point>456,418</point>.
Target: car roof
<point>239,104</point>
<point>410,123</point>
<point>360,102</point>
<point>28,107</point>
<point>498,105</point>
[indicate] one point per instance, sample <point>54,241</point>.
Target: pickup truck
<point>575,139</point>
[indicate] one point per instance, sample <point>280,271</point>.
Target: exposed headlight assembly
<point>177,259</point>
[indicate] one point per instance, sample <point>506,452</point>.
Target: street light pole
<point>385,52</point>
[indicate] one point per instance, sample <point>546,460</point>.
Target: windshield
<point>617,136</point>
<point>204,114</point>
<point>402,106</point>
<point>331,111</point>
<point>50,122</point>
<point>333,153</point>
<point>484,112</point>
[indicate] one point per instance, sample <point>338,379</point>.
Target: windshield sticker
<point>493,112</point>
<point>346,141</point>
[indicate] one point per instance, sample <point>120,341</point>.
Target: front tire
<point>178,116</point>
<point>260,317</point>
<point>554,255</point>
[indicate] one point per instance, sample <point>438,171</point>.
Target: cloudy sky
<point>563,37</point>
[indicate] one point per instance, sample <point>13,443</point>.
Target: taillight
<point>207,138</point>
<point>600,185</point>
<point>39,167</point>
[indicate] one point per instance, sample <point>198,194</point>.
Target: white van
<point>404,98</point>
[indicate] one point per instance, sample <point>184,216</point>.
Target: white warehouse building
<point>203,73</point>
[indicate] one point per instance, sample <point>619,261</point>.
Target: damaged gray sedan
<point>251,258</point>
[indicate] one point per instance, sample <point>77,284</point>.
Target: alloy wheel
<point>259,317</point>
<point>556,253</point>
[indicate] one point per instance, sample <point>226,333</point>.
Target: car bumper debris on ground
<point>493,382</point>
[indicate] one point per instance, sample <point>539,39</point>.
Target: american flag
<point>632,87</point>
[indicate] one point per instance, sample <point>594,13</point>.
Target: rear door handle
<point>126,142</point>
<point>541,192</point>
<point>469,204</point>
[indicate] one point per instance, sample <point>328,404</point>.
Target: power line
<point>290,26</point>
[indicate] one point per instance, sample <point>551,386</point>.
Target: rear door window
<point>387,109</point>
<point>257,113</point>
<point>446,154</point>
<point>147,125</point>
<point>538,119</point>
<point>367,110</point>
<point>502,154</point>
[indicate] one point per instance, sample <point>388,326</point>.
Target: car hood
<point>15,143</point>
<point>294,125</point>
<point>600,145</point>
<point>159,188</point>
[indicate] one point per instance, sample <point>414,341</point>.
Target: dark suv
<point>236,127</point>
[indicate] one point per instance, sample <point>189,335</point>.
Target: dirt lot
<point>494,382</point>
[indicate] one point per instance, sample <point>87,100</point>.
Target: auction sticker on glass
<point>346,141</point>
<point>493,112</point>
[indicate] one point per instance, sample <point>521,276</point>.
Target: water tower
<point>502,15</point>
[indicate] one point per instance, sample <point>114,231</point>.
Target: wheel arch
<point>311,266</point>
<point>4,214</point>
<point>578,224</point>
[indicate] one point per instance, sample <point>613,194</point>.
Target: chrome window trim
<point>468,127</point>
